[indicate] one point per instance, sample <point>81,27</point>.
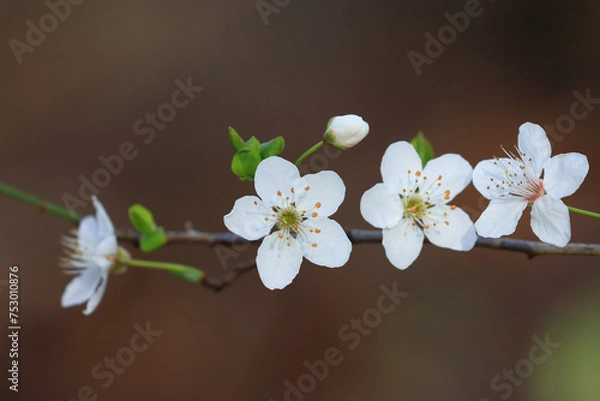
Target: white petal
<point>500,217</point>
<point>93,302</point>
<point>326,192</point>
<point>104,225</point>
<point>381,206</point>
<point>87,233</point>
<point>107,247</point>
<point>250,218</point>
<point>564,173</point>
<point>534,143</point>
<point>81,288</point>
<point>277,262</point>
<point>272,175</point>
<point>398,159</point>
<point>550,221</point>
<point>402,243</point>
<point>459,234</point>
<point>455,171</point>
<point>485,171</point>
<point>327,245</point>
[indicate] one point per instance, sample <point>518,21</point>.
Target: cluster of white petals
<point>90,254</point>
<point>529,176</point>
<point>412,203</point>
<point>291,213</point>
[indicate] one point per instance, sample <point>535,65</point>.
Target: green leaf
<point>236,140</point>
<point>246,160</point>
<point>153,240</point>
<point>423,148</point>
<point>142,219</point>
<point>191,276</point>
<point>272,148</point>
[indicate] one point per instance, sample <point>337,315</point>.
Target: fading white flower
<point>90,254</point>
<point>296,209</point>
<point>346,131</point>
<point>513,182</point>
<point>412,203</point>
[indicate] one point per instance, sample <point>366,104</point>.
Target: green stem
<point>584,212</point>
<point>309,152</point>
<point>190,274</point>
<point>40,203</point>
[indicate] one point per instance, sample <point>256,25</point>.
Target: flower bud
<point>344,132</point>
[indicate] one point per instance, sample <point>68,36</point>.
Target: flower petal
<point>398,159</point>
<point>402,243</point>
<point>250,218</point>
<point>103,223</point>
<point>534,144</point>
<point>323,193</point>
<point>272,175</point>
<point>500,217</point>
<point>455,171</point>
<point>381,206</point>
<point>277,262</point>
<point>107,247</point>
<point>93,302</point>
<point>454,230</point>
<point>87,233</point>
<point>564,173</point>
<point>487,174</point>
<point>81,288</point>
<point>550,221</point>
<point>325,243</point>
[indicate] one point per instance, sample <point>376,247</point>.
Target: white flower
<point>411,204</point>
<point>91,255</point>
<point>346,131</point>
<point>297,209</point>
<point>513,182</point>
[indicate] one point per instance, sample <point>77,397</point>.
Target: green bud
<point>423,148</point>
<point>272,148</point>
<point>153,240</point>
<point>142,219</point>
<point>190,276</point>
<point>236,140</point>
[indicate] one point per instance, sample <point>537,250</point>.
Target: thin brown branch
<point>358,236</point>
<point>218,283</point>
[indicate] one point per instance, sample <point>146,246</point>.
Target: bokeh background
<point>468,315</point>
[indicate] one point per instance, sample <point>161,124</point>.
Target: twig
<point>357,236</point>
<point>218,283</point>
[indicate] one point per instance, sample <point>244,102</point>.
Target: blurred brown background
<point>468,316</point>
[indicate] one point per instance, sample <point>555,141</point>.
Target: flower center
<point>288,219</point>
<point>520,179</point>
<point>414,207</point>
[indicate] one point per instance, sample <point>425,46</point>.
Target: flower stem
<point>309,152</point>
<point>40,203</point>
<point>187,273</point>
<point>584,212</point>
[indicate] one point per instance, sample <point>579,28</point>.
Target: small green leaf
<point>423,147</point>
<point>153,240</point>
<point>236,140</point>
<point>244,164</point>
<point>272,148</point>
<point>191,276</point>
<point>142,219</point>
